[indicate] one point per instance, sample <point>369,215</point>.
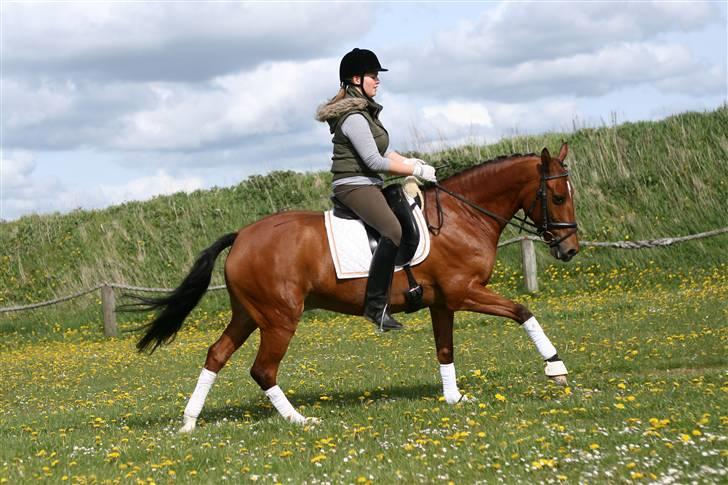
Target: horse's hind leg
<point>274,342</point>
<point>235,334</point>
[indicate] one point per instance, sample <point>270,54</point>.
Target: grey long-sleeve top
<point>356,129</point>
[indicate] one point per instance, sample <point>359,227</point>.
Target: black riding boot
<point>380,279</point>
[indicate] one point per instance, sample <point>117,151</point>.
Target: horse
<point>280,266</point>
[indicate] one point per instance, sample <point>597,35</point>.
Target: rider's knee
<point>394,233</point>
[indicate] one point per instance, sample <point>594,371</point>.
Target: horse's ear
<point>563,152</point>
<point>545,160</point>
<point>545,157</point>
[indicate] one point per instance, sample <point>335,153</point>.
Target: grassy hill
<point>633,181</point>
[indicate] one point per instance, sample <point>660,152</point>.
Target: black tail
<point>174,308</point>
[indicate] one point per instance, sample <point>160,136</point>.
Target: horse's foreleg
<point>442,327</point>
<point>235,334</point>
<point>273,345</point>
<point>482,300</point>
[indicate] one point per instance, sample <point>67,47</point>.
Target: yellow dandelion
<point>318,458</point>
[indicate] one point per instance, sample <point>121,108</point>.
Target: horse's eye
<point>559,199</point>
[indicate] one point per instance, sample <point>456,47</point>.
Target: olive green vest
<point>346,161</point>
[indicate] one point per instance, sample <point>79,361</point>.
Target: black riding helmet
<point>358,62</point>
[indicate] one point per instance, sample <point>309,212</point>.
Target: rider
<point>360,153</point>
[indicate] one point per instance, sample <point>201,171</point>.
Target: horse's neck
<point>496,187</point>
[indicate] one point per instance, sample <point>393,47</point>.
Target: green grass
<point>647,398</point>
<point>642,332</point>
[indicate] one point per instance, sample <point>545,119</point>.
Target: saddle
<point>395,196</point>
<point>403,210</point>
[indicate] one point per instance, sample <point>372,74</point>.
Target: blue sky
<point>107,102</point>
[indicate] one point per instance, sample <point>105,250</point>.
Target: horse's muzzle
<point>563,254</point>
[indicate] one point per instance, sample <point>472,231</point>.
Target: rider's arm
<point>398,164</point>
<point>356,129</point>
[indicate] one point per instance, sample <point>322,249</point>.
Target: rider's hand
<point>414,161</point>
<point>425,172</point>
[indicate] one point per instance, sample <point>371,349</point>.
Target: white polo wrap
<point>542,342</point>
<point>283,405</point>
<point>204,384</point>
<point>449,384</point>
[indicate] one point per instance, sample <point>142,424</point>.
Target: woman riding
<point>360,154</point>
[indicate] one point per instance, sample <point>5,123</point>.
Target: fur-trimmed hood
<point>330,111</point>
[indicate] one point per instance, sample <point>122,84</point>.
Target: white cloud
<point>155,41</point>
<point>274,98</point>
<point>23,106</point>
<point>515,32</point>
<point>430,125</point>
<point>20,191</point>
<point>459,114</point>
<point>146,187</point>
<point>23,192</point>
<point>523,51</point>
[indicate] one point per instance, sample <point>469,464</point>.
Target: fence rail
<point>528,259</point>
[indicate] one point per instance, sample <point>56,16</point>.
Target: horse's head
<point>551,207</point>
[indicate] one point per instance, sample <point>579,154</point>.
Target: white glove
<point>425,172</point>
<point>414,161</point>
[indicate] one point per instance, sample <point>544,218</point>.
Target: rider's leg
<point>368,202</point>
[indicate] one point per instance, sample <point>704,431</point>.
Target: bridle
<point>542,230</point>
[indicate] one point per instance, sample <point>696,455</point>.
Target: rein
<point>542,230</point>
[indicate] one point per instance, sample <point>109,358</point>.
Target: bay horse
<point>280,266</point>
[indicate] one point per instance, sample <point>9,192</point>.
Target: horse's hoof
<point>559,380</point>
<point>188,426</point>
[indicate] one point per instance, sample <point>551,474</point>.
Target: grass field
<point>648,396</point>
<point>643,334</point>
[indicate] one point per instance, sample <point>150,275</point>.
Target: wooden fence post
<point>108,302</point>
<point>528,257</point>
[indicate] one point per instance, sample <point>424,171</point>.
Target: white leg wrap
<point>197,400</point>
<point>284,407</point>
<point>449,384</point>
<point>542,342</point>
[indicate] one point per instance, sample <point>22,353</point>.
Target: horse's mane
<point>480,165</point>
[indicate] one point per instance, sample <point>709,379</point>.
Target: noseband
<point>542,230</point>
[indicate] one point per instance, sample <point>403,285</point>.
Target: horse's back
<point>286,249</point>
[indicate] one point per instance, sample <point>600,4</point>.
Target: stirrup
<point>385,322</point>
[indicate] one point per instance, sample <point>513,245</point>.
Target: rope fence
<point>646,244</point>
<point>528,257</point>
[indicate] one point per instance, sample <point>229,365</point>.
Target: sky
<point>106,102</point>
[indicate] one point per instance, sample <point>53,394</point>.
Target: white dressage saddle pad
<point>349,244</point>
